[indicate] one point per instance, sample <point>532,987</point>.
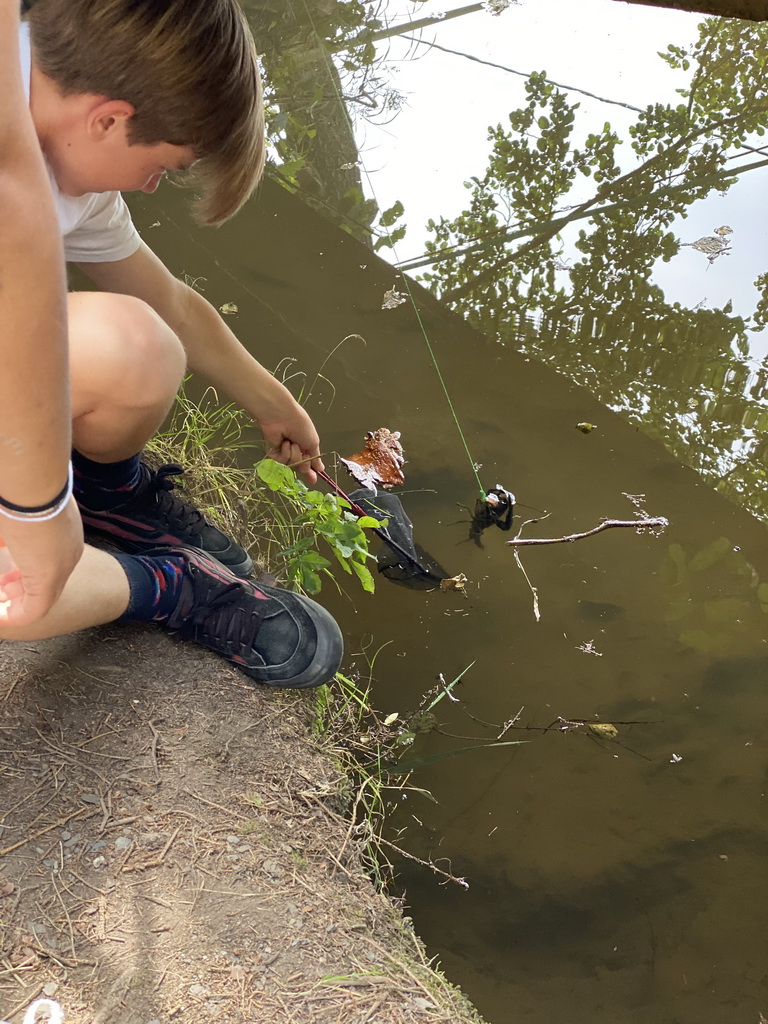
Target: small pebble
<point>99,862</point>
<point>90,798</point>
<point>65,836</point>
<point>123,842</point>
<point>233,840</point>
<point>98,845</point>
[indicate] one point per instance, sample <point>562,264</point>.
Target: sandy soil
<point>174,847</point>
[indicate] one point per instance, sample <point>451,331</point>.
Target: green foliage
<point>602,319</point>
<point>284,520</point>
<point>319,60</point>
<point>317,515</point>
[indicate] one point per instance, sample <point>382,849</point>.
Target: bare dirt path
<point>174,847</point>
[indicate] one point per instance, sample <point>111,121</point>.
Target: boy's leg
<point>126,368</point>
<point>274,636</point>
<point>97,592</point>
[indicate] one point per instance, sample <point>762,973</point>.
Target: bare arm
<point>214,351</point>
<point>34,397</point>
<point>34,394</point>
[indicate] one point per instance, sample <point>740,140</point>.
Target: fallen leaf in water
<point>393,299</point>
<point>585,428</point>
<point>458,582</point>
<point>604,729</point>
<point>379,463</point>
<point>228,309</point>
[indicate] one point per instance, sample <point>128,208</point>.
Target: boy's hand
<point>44,553</point>
<point>293,441</point>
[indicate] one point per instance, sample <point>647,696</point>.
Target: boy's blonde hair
<point>189,68</point>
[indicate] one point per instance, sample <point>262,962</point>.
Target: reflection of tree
<point>320,61</point>
<point>715,602</point>
<point>308,122</point>
<point>603,320</point>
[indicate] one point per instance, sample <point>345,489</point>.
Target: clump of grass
<point>218,451</point>
<point>263,504</point>
<point>362,741</point>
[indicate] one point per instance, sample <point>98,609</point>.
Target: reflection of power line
<point>523,74</point>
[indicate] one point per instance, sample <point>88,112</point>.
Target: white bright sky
<point>439,138</point>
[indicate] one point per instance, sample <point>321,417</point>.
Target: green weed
<point>262,503</point>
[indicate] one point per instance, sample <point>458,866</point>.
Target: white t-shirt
<point>96,227</point>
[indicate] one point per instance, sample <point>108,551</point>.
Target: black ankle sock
<point>104,485</point>
<point>155,582</point>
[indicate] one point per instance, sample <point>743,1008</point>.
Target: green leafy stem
<point>320,515</point>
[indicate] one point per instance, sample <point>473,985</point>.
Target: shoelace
<point>170,504</point>
<point>222,617</point>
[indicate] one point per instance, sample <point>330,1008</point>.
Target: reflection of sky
<point>439,139</point>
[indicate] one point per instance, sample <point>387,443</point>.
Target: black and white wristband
<point>38,513</point>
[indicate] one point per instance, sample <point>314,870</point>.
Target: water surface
<point>609,879</point>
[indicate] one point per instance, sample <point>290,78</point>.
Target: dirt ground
<point>174,847</point>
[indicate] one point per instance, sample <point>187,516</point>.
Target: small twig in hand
<point>654,525</point>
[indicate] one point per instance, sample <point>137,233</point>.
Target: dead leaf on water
<point>393,299</point>
<point>586,428</point>
<point>228,309</point>
<point>603,729</point>
<point>457,582</point>
<point>380,462</point>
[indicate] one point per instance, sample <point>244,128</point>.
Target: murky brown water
<point>609,879</point>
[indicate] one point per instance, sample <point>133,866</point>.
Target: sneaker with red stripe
<point>157,516</point>
<point>275,636</point>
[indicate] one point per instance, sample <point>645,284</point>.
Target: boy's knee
<point>120,340</point>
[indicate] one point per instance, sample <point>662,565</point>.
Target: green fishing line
<point>406,282</point>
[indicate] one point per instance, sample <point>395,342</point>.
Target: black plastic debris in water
<point>402,560</point>
<point>497,508</point>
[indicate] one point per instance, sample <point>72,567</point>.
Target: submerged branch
<point>653,525</point>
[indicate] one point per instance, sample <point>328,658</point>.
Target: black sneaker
<point>275,636</point>
<point>154,516</point>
